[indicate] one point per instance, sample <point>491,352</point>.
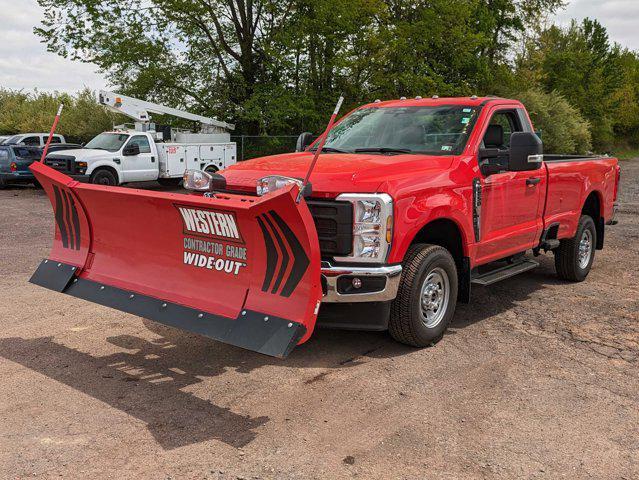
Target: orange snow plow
<point>240,269</point>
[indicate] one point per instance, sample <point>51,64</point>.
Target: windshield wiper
<point>330,150</point>
<point>382,150</point>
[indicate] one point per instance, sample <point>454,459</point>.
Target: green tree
<point>275,66</point>
<point>563,128</point>
<point>82,119</point>
<point>596,76</point>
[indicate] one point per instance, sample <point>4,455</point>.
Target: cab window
<point>31,141</point>
<point>502,125</point>
<point>54,139</point>
<point>141,142</point>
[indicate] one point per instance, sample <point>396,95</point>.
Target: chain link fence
<point>252,146</point>
<point>248,146</point>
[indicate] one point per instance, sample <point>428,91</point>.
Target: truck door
<point>140,167</point>
<point>512,202</point>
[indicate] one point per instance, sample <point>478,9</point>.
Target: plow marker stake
<point>53,127</point>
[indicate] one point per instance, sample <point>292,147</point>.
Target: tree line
<point>81,119</point>
<point>277,66</point>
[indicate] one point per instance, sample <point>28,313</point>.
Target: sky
<point>26,64</point>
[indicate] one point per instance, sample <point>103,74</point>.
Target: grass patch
<point>626,153</point>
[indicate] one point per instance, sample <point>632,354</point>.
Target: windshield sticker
<point>467,110</point>
<point>446,148</point>
<point>465,120</point>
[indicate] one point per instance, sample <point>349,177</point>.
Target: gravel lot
<point>537,378</point>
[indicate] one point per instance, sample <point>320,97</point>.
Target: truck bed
<point>571,179</point>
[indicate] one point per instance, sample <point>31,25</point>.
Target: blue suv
<point>14,163</point>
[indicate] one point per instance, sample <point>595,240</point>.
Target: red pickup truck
<point>411,202</point>
<point>463,189</point>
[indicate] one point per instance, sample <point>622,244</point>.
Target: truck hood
<point>82,153</point>
<point>336,173</point>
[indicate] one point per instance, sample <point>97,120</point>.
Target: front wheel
<point>104,177</point>
<point>574,256</point>
<point>427,296</point>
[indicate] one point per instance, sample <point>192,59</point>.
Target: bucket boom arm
<point>140,110</point>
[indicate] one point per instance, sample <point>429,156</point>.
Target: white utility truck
<point>141,154</point>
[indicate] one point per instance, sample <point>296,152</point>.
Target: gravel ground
<point>537,378</point>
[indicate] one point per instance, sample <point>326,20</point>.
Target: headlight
<point>372,226</point>
<point>275,182</point>
<point>197,180</point>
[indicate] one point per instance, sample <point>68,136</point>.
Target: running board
<point>503,273</point>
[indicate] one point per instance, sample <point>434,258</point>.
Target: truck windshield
<point>12,140</point>
<point>111,142</point>
<point>441,130</point>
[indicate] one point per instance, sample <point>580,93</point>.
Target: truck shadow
<point>147,379</point>
<point>144,388</point>
<point>501,297</point>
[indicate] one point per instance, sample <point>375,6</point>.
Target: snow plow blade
<point>243,270</point>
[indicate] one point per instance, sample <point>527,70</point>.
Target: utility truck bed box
<point>177,157</point>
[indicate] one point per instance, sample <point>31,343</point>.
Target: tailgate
<point>243,270</point>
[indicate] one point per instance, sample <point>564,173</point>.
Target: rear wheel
<point>104,177</point>
<point>170,182</point>
<point>427,296</point>
<point>211,169</point>
<point>574,256</point>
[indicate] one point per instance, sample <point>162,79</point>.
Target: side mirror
<point>526,152</point>
<point>304,141</point>
<point>131,150</point>
<point>491,161</point>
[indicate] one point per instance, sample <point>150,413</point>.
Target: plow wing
<point>240,269</point>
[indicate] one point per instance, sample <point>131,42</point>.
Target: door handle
<point>152,159</point>
<point>533,181</point>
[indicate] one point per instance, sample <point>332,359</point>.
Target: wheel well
<point>211,166</point>
<point>110,169</point>
<point>592,207</point>
<point>445,233</point>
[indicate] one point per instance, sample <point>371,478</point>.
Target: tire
<point>3,184</point>
<point>37,185</point>
<point>104,177</point>
<point>413,320</point>
<point>211,169</point>
<point>574,256</point>
<point>170,182</point>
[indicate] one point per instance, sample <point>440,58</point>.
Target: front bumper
<point>81,178</point>
<point>17,177</point>
<point>378,284</point>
